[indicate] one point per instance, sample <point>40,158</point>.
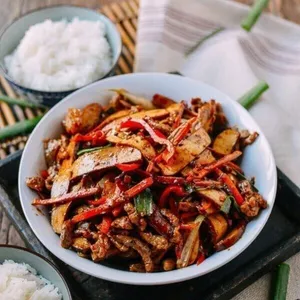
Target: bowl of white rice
<point>51,52</point>
<point>25,275</point>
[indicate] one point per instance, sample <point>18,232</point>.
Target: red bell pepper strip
<point>179,134</point>
<point>44,174</point>
<point>142,173</point>
<point>222,161</point>
<point>162,101</point>
<point>128,167</point>
<point>207,183</point>
<point>105,224</point>
<point>150,167</point>
<point>127,179</point>
<point>200,258</point>
<point>117,210</point>
<point>142,185</point>
<point>173,206</point>
<point>187,226</point>
<point>170,180</point>
<point>189,215</point>
<point>160,223</point>
<point>159,157</point>
<point>175,189</point>
<point>182,131</point>
<point>179,116</point>
<point>88,214</point>
<point>108,206</point>
<point>235,167</point>
<point>231,186</point>
<point>102,200</point>
<point>95,137</point>
<point>156,135</point>
<point>178,249</point>
<point>68,197</point>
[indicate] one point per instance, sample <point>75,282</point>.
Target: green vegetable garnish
<point>144,202</point>
<point>254,14</point>
<point>225,208</point>
<point>248,99</point>
<point>236,206</point>
<point>22,103</point>
<point>281,283</point>
<point>19,128</point>
<point>245,178</point>
<point>203,40</point>
<point>189,188</point>
<point>83,151</point>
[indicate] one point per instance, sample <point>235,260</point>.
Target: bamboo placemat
<point>125,15</point>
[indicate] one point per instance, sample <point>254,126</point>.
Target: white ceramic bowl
<point>42,265</point>
<point>257,161</point>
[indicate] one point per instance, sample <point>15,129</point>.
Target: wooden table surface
<point>10,9</point>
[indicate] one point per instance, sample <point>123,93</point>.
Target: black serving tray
<point>279,240</point>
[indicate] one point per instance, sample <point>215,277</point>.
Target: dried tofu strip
<point>134,141</point>
<point>103,159</point>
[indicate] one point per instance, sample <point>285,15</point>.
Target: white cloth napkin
<point>233,61</point>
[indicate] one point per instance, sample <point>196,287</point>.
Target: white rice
<point>21,282</point>
<point>59,56</point>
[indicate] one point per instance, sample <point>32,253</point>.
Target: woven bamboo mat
<point>124,14</point>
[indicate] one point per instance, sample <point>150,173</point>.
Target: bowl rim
<point>43,258</point>
<point>147,278</point>
<point>36,10</point>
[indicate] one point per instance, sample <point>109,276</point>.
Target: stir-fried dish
<point>156,184</point>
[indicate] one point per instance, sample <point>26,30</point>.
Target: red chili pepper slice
<point>200,258</point>
<point>128,167</point>
<point>231,186</point>
<point>177,190</point>
<point>156,135</point>
<point>105,224</point>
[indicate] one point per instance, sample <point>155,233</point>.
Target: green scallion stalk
<point>203,40</point>
<point>22,103</point>
<point>254,14</point>
<point>281,282</point>
<point>248,99</point>
<point>83,151</point>
<point>19,128</point>
<point>144,203</point>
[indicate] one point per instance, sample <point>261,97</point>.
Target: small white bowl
<point>257,161</point>
<point>42,265</point>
